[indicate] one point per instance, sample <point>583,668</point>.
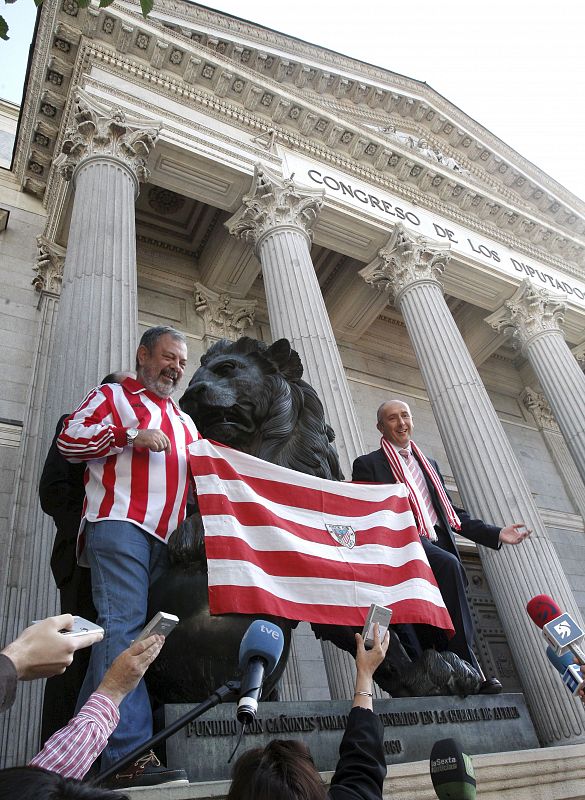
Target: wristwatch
<point>131,434</point>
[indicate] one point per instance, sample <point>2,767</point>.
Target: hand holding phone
<point>162,623</point>
<point>82,626</point>
<point>376,614</point>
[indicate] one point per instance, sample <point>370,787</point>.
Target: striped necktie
<point>421,483</point>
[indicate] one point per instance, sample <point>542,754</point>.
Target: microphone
<point>260,652</point>
<point>563,633</point>
<point>559,629</point>
<point>452,771</point>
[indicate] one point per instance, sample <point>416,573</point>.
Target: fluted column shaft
<point>297,311</point>
<point>93,333</point>
<point>488,475</point>
<point>277,218</point>
<point>533,316</point>
<point>97,326</point>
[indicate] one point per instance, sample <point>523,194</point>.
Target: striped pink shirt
<point>73,749</point>
<point>123,482</point>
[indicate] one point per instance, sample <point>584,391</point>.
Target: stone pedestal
<point>488,475</point>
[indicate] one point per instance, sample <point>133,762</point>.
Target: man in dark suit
<point>400,460</point>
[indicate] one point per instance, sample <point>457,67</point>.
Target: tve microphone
<point>451,771</point>
<point>559,629</point>
<point>260,652</point>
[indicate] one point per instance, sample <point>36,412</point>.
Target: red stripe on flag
<point>290,563</point>
<point>299,496</point>
<point>254,514</point>
<point>255,600</point>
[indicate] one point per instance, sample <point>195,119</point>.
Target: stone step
<point>553,773</point>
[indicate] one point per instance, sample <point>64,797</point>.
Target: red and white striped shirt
<point>72,750</point>
<point>122,482</point>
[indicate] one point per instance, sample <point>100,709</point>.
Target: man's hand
<point>154,440</point>
<point>514,534</point>
<point>42,651</point>
<point>128,669</point>
<point>367,662</point>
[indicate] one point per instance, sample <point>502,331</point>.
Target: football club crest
<point>344,534</point>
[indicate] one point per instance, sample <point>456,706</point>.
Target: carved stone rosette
<point>49,267</point>
<point>225,317</point>
<point>538,405</point>
<point>100,131</point>
<point>407,259</point>
<point>272,203</point>
<point>530,311</point>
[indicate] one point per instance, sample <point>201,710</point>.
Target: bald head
<point>394,421</point>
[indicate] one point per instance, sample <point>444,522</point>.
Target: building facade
<point>201,171</point>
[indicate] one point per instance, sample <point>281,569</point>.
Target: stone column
<point>547,425</point>
<point>276,218</point>
<point>28,588</point>
<point>488,475</point>
<point>104,154</point>
<point>224,316</point>
<point>533,316</point>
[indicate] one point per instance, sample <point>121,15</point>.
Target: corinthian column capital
<point>406,259</point>
<point>48,267</point>
<point>530,312</point>
<point>272,203</point>
<point>225,317</point>
<point>102,131</point>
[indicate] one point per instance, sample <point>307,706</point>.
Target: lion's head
<point>249,395</point>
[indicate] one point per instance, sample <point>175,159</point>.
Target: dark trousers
<point>61,692</point>
<point>451,579</point>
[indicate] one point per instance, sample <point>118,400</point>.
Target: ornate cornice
<point>538,405</point>
<point>254,89</point>
<point>225,317</point>
<point>49,267</point>
<point>407,259</point>
<point>274,202</point>
<point>100,131</point>
<point>530,312</point>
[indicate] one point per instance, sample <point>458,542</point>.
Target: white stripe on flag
<point>322,591</point>
<point>269,538</point>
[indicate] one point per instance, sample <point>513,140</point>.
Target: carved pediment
<point>399,130</point>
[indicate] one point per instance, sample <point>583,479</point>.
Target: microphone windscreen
<point>560,663</point>
<point>542,609</point>
<point>452,771</point>
<point>265,640</point>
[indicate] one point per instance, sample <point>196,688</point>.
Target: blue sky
<point>515,67</point>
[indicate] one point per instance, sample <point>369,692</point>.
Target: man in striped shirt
<point>134,439</point>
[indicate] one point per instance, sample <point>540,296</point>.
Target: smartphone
<point>161,623</point>
<point>382,616</point>
<point>82,626</point>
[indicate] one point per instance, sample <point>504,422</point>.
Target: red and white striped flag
<point>292,545</point>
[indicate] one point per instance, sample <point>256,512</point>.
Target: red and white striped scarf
<point>403,475</point>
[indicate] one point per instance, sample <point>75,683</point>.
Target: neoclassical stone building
<point>202,171</point>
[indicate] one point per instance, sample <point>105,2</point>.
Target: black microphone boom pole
<point>227,692</point>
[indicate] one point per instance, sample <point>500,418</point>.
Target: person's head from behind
<point>33,783</point>
<point>283,770</point>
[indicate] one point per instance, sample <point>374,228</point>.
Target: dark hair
<point>151,336</point>
<point>34,783</point>
<point>284,769</point>
<point>115,377</point>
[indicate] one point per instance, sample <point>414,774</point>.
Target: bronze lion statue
<point>251,396</point>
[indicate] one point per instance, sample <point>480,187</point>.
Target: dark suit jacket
<point>361,768</point>
<point>374,468</point>
<point>62,491</point>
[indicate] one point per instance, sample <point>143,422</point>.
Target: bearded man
<point>134,440</point>
<point>399,460</point>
